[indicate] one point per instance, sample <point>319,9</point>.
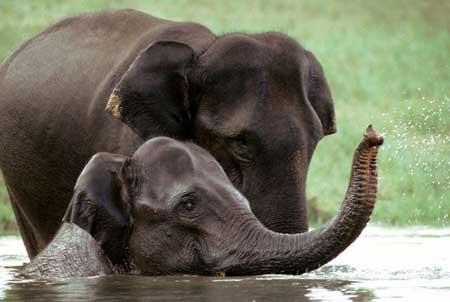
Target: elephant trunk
<point>262,251</point>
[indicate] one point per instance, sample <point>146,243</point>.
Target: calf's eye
<point>189,205</point>
<point>188,208</point>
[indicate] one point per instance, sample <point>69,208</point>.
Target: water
<point>410,264</point>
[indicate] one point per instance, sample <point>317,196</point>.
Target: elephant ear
<point>97,206</point>
<point>152,96</point>
<point>319,95</point>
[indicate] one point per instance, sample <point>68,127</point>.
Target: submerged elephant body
<point>171,209</point>
<point>259,103</point>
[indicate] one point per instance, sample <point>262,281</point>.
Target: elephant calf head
<point>161,211</point>
<point>171,209</point>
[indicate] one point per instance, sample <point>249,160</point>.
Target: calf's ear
<point>97,206</point>
<point>152,96</point>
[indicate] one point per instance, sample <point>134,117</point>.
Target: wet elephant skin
<point>171,209</point>
<point>259,103</point>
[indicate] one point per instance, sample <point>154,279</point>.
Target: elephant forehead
<point>234,46</point>
<point>166,161</point>
<point>155,145</point>
<point>241,55</point>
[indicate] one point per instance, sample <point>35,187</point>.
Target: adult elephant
<point>258,102</point>
<point>171,209</point>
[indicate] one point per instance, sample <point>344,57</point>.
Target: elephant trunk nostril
<point>373,138</point>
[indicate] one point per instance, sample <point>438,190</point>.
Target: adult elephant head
<point>259,103</point>
<point>170,209</point>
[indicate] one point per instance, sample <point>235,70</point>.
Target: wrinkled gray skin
<point>171,209</point>
<point>72,253</point>
<point>259,103</point>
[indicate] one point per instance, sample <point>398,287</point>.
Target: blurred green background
<point>387,62</point>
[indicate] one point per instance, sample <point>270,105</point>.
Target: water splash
<point>418,144</point>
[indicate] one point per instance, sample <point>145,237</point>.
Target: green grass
<point>7,221</point>
<point>387,62</point>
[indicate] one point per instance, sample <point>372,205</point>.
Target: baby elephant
<point>171,209</point>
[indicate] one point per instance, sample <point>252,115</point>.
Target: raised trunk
<point>263,251</point>
<point>72,253</point>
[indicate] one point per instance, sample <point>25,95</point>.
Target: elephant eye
<point>187,208</point>
<point>189,205</point>
<point>240,148</point>
<point>176,118</point>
